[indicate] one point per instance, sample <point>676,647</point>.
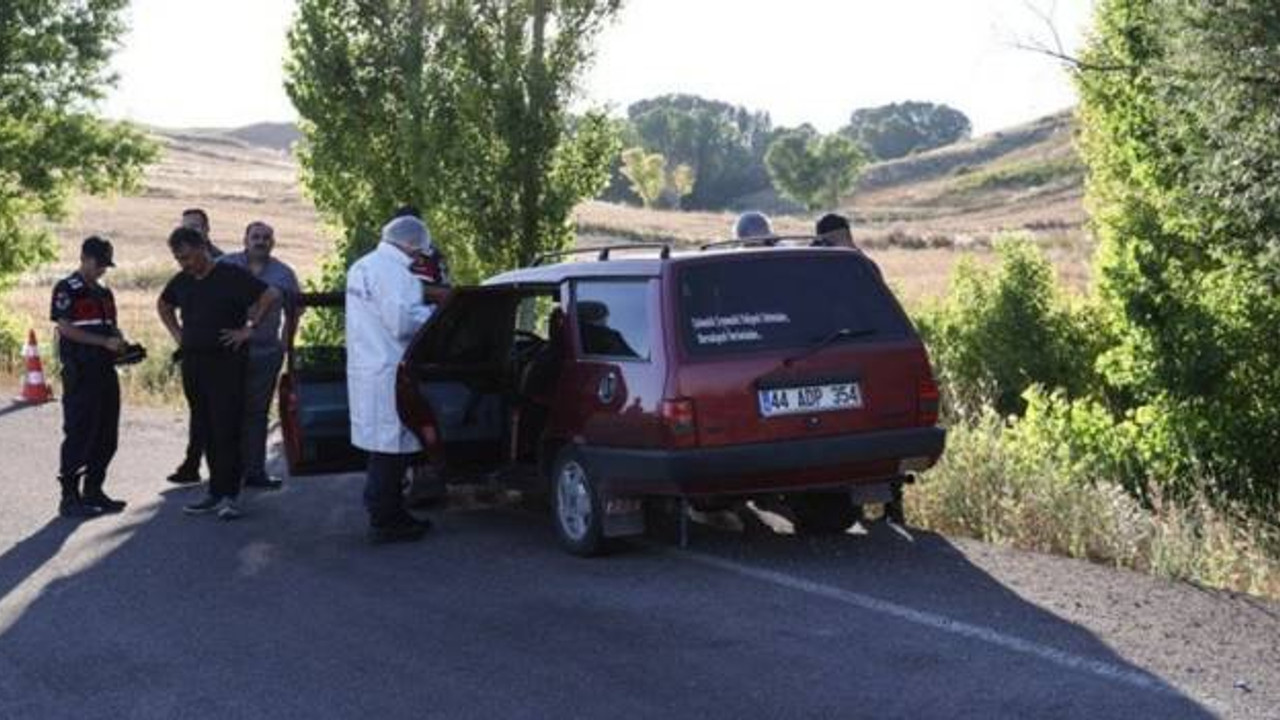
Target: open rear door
<point>314,416</point>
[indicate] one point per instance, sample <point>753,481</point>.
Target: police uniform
<point>90,389</point>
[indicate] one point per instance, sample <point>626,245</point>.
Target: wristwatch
<point>249,323</point>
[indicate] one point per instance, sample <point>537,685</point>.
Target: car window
<point>533,314</point>
<point>613,318</point>
<point>782,302</point>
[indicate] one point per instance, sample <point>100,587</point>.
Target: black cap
<point>98,249</point>
<point>830,222</point>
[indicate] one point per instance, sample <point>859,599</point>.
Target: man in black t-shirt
<point>189,471</point>
<point>211,310</point>
<point>88,344</point>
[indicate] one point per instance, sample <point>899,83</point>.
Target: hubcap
<point>573,501</point>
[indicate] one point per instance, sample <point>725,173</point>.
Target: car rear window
<point>774,303</point>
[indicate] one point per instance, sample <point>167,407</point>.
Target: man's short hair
<point>185,236</point>
<point>258,223</point>
<point>204,216</point>
<point>832,222</point>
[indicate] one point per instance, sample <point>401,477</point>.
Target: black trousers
<point>216,385</point>
<point>384,489</point>
<point>197,433</point>
<point>90,421</point>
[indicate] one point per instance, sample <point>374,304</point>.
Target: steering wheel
<point>532,337</point>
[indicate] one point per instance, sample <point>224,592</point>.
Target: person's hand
<point>114,344</point>
<point>235,338</point>
<point>436,294</point>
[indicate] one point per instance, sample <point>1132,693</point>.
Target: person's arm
<point>292,308</point>
<point>400,307</point>
<point>169,318</point>
<point>235,338</point>
<point>70,332</point>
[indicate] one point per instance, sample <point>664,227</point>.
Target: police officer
<point>88,344</point>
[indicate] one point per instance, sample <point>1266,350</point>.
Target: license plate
<point>810,399</point>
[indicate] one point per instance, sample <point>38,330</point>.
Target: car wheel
<point>576,509</point>
<point>823,513</point>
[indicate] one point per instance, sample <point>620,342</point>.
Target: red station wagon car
<point>781,374</point>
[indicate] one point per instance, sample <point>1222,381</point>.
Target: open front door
<point>457,386</point>
<point>314,417</point>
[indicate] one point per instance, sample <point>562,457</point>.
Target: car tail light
<point>681,421</point>
<point>927,399</point>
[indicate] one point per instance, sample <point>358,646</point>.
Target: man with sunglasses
<point>266,347</point>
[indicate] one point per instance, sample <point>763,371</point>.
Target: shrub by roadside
<point>997,485</point>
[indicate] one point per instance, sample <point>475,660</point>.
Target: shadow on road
<point>27,556</point>
<point>289,613</point>
<point>14,407</point>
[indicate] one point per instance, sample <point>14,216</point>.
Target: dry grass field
<point>918,224</point>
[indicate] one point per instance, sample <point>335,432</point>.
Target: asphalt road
<point>290,614</point>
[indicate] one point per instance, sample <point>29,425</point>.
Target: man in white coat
<point>385,306</point>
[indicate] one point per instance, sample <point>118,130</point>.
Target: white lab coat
<point>384,310</point>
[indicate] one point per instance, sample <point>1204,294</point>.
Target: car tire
<point>823,513</point>
<point>576,509</point>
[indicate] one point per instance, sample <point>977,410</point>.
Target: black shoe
<point>230,509</point>
<point>264,482</point>
<point>399,532</point>
<point>185,475</point>
<point>102,503</point>
<point>205,506</point>
<point>71,507</point>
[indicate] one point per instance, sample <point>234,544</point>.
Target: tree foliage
<point>724,145</point>
<point>646,172</point>
<point>651,182</point>
<point>53,69</point>
<point>814,170</point>
<point>899,129</point>
<point>1181,134</point>
<point>459,108</point>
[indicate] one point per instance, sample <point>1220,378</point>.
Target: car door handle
<point>607,390</point>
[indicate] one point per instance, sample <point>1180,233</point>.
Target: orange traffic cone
<point>34,388</point>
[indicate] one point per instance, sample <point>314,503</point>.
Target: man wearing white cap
<point>385,306</point>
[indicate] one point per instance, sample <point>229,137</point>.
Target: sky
<point>218,63</point>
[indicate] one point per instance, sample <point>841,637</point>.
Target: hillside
<point>1024,178</point>
<point>911,212</point>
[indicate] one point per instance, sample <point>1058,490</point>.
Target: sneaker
<point>104,504</point>
<point>185,475</point>
<point>207,505</point>
<point>230,510</point>
<point>263,482</point>
<point>400,532</point>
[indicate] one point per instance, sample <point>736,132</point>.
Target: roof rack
<point>768,241</point>
<point>604,250</point>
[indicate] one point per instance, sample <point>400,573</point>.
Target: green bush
<point>1045,483</point>
<point>1002,330</point>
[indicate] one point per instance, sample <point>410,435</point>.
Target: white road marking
<point>991,636</point>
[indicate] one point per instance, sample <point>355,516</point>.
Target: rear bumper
<point>763,467</point>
